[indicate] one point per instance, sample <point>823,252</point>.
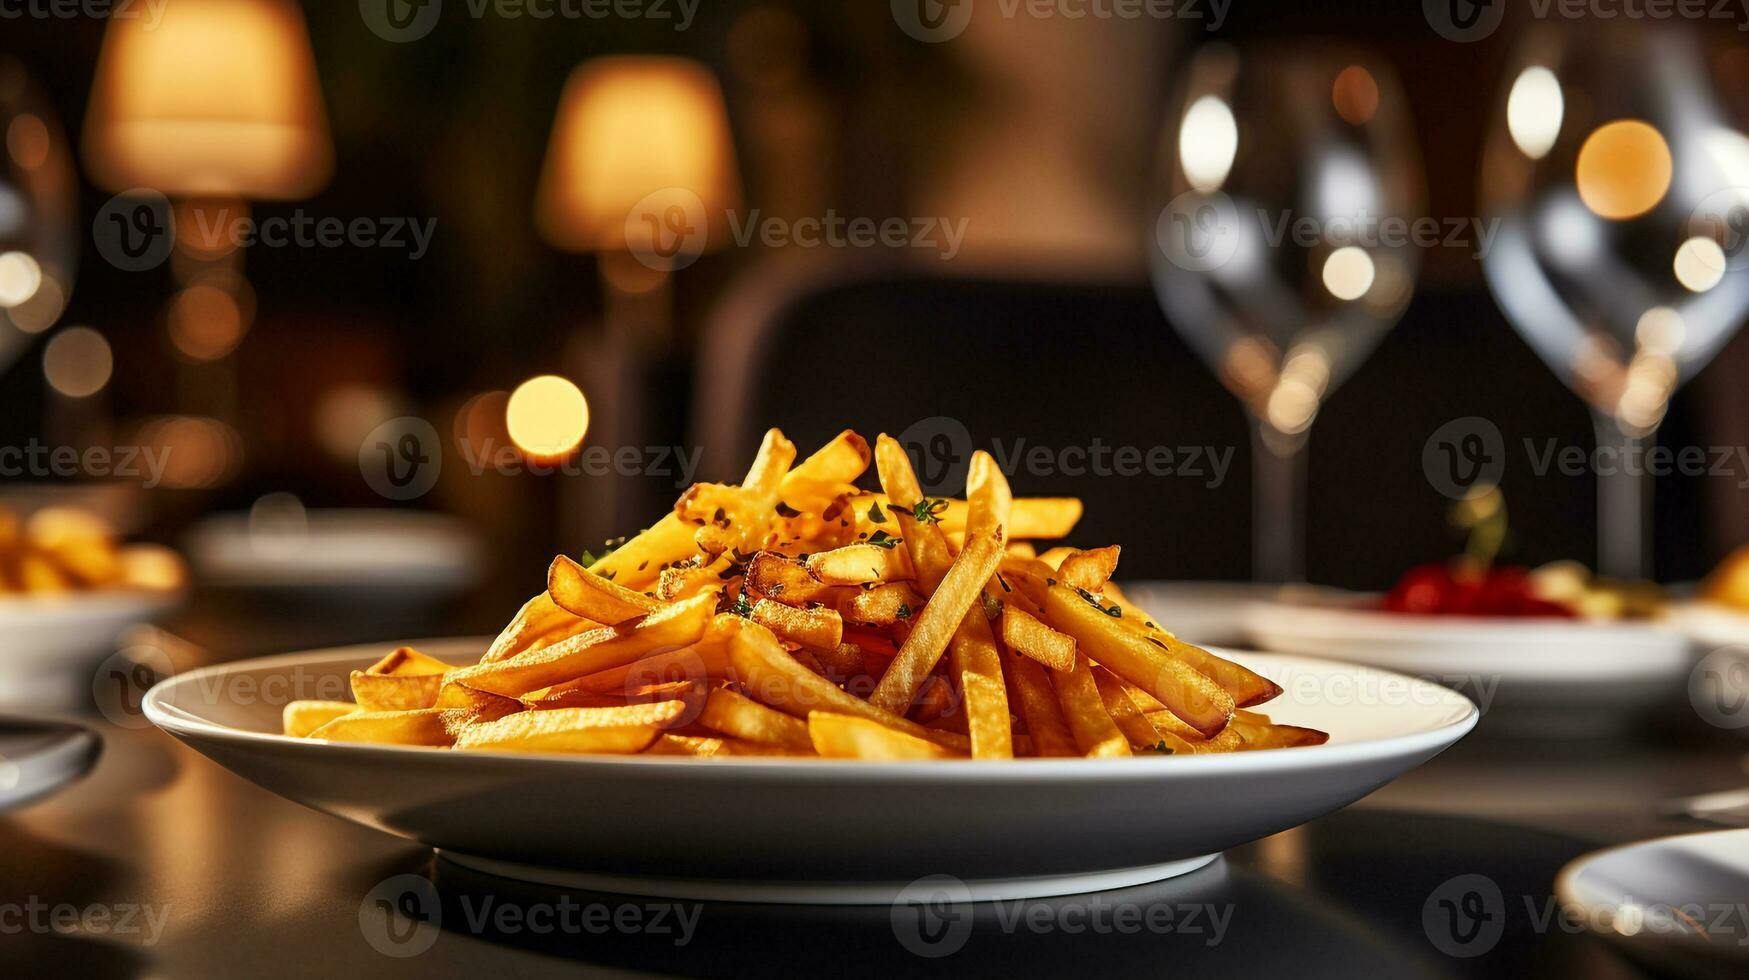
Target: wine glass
<point>1620,182</point>
<point>38,242</point>
<point>1288,178</point>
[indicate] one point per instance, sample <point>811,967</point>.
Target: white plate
<point>341,550</point>
<point>39,757</point>
<point>49,645</point>
<point>1711,625</point>
<point>1201,612</point>
<point>1680,903</point>
<point>806,830</point>
<point>1592,675</point>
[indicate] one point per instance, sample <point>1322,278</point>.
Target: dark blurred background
<point>1040,135</point>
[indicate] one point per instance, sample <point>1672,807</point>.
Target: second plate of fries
<point>807,642</point>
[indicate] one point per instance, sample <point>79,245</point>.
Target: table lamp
<point>640,170</point>
<point>216,104</point>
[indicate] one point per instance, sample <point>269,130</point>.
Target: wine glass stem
<point>1278,533</point>
<point>1624,496</point>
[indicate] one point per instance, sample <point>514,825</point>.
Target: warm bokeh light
<point>27,141</point>
<point>1700,264</point>
<point>547,416</point>
<point>1534,111</point>
<point>278,525</point>
<point>627,128</point>
<point>77,362</point>
<point>1355,95</point>
<point>1348,273</point>
<point>206,322</point>
<point>220,98</point>
<point>1661,330</point>
<point>1208,143</point>
<point>480,425</point>
<point>346,415</point>
<point>198,452</point>
<point>42,309</point>
<point>1624,169</point>
<point>20,278</point>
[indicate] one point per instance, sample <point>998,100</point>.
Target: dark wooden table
<point>179,869</point>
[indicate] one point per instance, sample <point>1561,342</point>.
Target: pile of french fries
<point>798,615</point>
<point>61,550</point>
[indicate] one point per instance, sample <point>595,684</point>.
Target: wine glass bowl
<point>1620,183</point>
<point>1289,181</point>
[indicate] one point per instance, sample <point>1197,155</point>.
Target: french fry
<point>587,595</point>
<point>1037,701</point>
<point>1095,732</point>
<point>831,471</point>
<point>1261,733</point>
<point>668,628</point>
<point>423,726</point>
<point>691,694</point>
<point>817,628</point>
<point>924,542</point>
<point>785,580</point>
<point>771,676</point>
<point>538,617</point>
<point>404,680</point>
<point>931,631</point>
<point>1123,711</point>
<point>637,562</point>
<point>860,564</point>
<point>1033,518</point>
<point>1090,569</point>
<point>620,730</point>
<point>1023,633</point>
<point>742,717</point>
<point>705,660</point>
<point>1171,726</point>
<point>880,605</point>
<point>1202,703</point>
<point>300,718</point>
<point>847,737</point>
<point>1247,687</point>
<point>972,653</point>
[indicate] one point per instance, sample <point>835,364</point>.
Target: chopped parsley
<point>904,611</point>
<point>875,514</point>
<point>1162,748</point>
<point>929,510</point>
<point>882,539</point>
<point>785,510</point>
<point>1115,612</point>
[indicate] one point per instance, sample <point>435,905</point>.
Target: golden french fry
<point>408,662</point>
<point>668,628</point>
<point>402,681</point>
<point>589,596</point>
<point>989,502</point>
<point>832,470</point>
<point>742,717</point>
<point>959,591</point>
<point>619,730</point>
<point>538,617</point>
<point>1181,688</point>
<point>1022,632</point>
<point>636,562</point>
<point>153,567</point>
<point>300,718</point>
<point>975,661</point>
<point>422,726</point>
<point>1095,732</point>
<point>924,542</point>
<point>821,629</point>
<point>705,660</point>
<point>845,737</point>
<point>771,676</point>
<point>785,580</point>
<point>1054,557</point>
<point>1261,733</point>
<point>1089,569</point>
<point>1123,711</point>
<point>1022,549</point>
<point>860,564</point>
<point>690,745</point>
<point>1032,519</point>
<point>1170,727</point>
<point>844,660</point>
<point>1247,687</point>
<point>1031,688</point>
<point>692,694</point>
<point>880,605</point>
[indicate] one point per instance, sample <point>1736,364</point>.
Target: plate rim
<point>1566,878</point>
<point>185,725</point>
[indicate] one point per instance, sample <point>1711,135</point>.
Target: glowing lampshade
<point>637,138</point>
<point>218,99</point>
